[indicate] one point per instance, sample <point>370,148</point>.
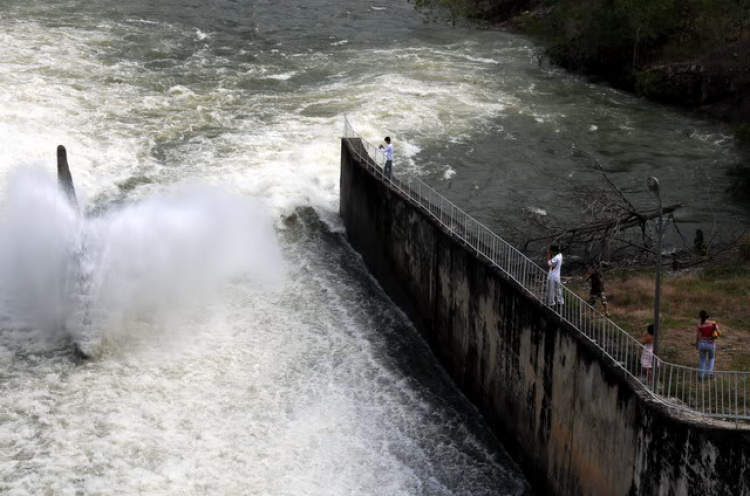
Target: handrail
<point>722,395</point>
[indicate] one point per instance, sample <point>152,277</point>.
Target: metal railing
<point>722,395</point>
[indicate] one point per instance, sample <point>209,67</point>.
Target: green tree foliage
<point>715,20</point>
<point>611,36</point>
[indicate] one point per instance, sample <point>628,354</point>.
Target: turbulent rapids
<point>185,378</point>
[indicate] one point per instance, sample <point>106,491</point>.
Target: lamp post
<point>653,186</point>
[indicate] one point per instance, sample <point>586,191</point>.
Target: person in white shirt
<point>554,284</point>
<point>388,150</point>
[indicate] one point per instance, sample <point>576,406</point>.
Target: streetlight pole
<point>653,186</point>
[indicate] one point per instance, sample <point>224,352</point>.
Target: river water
<point>239,346</point>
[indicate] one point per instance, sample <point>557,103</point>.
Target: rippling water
<point>236,358</point>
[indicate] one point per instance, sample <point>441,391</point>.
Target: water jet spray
<point>106,281</point>
<point>65,183</point>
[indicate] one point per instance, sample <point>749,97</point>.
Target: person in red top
<point>706,333</point>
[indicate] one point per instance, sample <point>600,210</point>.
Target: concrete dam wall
<point>573,420</point>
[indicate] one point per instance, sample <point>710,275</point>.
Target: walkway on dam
<point>676,386</point>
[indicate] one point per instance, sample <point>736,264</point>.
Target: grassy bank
<point>722,291</point>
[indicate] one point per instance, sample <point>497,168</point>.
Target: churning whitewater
<point>238,345</point>
<point>214,368</point>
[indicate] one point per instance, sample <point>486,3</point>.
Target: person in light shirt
<point>388,150</point>
<point>554,284</point>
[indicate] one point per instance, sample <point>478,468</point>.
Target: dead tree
<point>594,218</point>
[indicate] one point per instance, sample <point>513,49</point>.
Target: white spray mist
<point>62,273</point>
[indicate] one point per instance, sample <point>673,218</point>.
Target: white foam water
<point>218,365</point>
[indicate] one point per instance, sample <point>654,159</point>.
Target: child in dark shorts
<point>597,288</point>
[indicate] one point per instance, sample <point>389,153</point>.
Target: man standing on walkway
<point>554,284</point>
<point>388,150</point>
